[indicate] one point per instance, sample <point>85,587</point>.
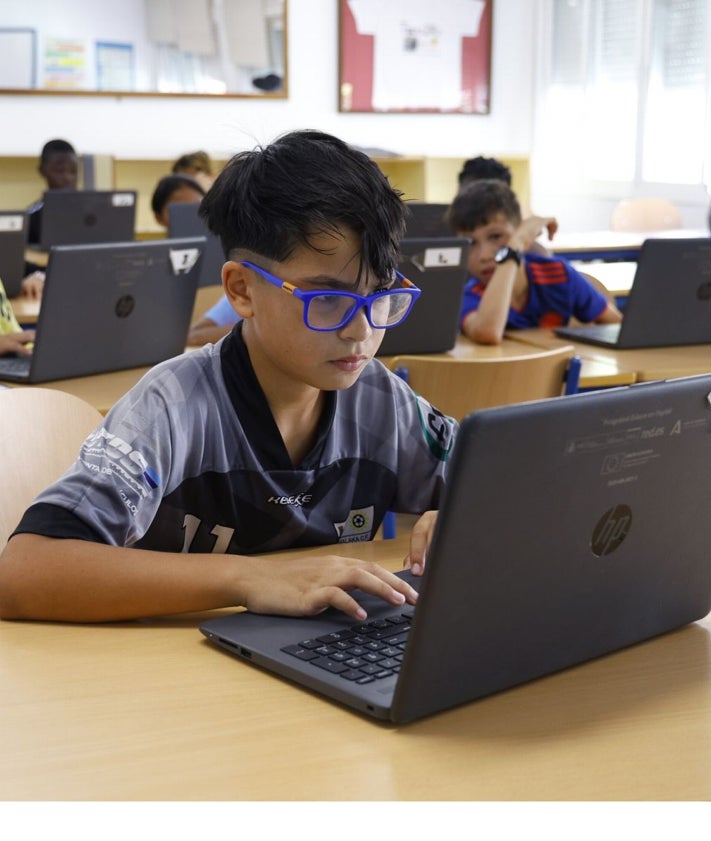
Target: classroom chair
<point>460,386</point>
<point>647,214</point>
<point>41,431</point>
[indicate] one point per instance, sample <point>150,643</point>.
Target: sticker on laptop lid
<point>122,199</point>
<point>11,223</point>
<point>183,259</point>
<point>433,257</point>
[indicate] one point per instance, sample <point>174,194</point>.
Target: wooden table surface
<point>151,711</point>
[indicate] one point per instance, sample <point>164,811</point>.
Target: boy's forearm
<point>487,323</point>
<point>80,581</point>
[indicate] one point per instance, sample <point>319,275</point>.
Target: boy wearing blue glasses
<point>286,433</point>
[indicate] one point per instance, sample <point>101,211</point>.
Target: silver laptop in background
<point>78,217</point>
<point>184,221</point>
<point>111,306</point>
<point>438,266</point>
<point>595,537</point>
<point>13,240</point>
<point>669,302</point>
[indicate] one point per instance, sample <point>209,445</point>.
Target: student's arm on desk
<point>81,581</point>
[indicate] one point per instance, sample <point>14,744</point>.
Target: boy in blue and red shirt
<point>511,287</point>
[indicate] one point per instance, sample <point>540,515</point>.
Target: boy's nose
<point>358,328</point>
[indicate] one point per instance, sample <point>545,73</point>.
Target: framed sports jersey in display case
<point>415,56</point>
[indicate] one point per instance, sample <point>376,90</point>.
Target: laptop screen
<point>76,217</point>
<point>13,225</point>
<point>184,221</point>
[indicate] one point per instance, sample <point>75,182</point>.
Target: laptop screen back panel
<point>439,268</point>
<point>13,233</point>
<point>184,221</point>
<point>110,307</point>
<point>556,542</point>
<point>76,217</point>
<point>670,300</point>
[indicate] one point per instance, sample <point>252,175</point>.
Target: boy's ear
<point>237,282</point>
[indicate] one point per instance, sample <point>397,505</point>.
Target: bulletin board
<point>415,56</point>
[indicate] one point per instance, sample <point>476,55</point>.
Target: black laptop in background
<point>426,219</point>
<point>111,306</point>
<point>184,221</point>
<point>438,266</point>
<point>79,217</point>
<point>669,302</point>
<point>13,238</point>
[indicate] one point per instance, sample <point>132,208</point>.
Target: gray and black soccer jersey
<point>191,460</point>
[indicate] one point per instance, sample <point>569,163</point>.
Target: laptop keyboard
<point>362,653</point>
<point>15,365</point>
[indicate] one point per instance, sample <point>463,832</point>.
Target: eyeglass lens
<point>328,311</point>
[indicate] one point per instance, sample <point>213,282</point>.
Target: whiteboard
<point>18,48</point>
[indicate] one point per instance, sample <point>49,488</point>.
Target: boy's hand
<point>19,343</point>
<point>33,285</point>
<point>420,538</point>
<point>307,586</point>
<point>530,229</point>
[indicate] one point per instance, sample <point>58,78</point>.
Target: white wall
<point>166,127</point>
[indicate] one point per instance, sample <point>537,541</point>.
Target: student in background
<point>173,188</point>
<point>13,339</point>
<point>287,433</point>
<point>483,169</point>
<point>198,166</point>
<point>59,166</point>
<point>213,324</point>
<point>511,287</point>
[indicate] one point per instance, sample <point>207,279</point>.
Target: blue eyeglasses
<point>326,310</point>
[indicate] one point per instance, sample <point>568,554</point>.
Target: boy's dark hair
<point>478,202</point>
<point>52,147</point>
<point>167,186</point>
<point>275,198</point>
<point>481,168</point>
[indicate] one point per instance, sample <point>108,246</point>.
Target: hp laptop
<point>13,237</point>
<point>111,306</point>
<point>438,266</point>
<point>77,217</point>
<point>669,302</point>
<point>595,537</point>
<point>183,221</point>
<point>426,219</point>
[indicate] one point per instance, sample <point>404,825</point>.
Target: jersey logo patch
<point>357,526</point>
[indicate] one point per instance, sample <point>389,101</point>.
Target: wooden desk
<point>634,365</point>
<point>99,390</point>
<point>151,711</point>
<point>26,310</point>
<point>37,256</point>
<point>617,278</point>
<point>610,245</point>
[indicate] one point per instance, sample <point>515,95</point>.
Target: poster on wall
<point>415,56</point>
<point>114,67</point>
<point>64,64</point>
